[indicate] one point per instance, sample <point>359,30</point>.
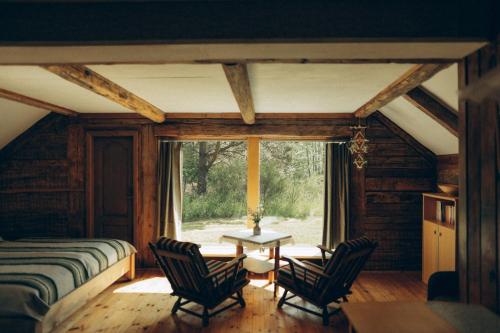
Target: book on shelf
<point>445,212</point>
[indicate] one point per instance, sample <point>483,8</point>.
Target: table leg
<point>239,250</point>
<point>270,275</point>
<point>276,268</point>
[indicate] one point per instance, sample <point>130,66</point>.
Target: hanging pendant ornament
<point>358,145</point>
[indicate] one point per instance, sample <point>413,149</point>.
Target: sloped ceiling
<point>17,119</point>
<point>422,127</point>
<point>445,85</point>
<point>38,83</point>
<point>203,88</point>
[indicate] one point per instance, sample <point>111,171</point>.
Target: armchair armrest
<point>226,266</point>
<point>294,263</point>
<point>324,249</point>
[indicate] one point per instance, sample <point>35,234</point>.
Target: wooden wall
<point>479,163</point>
<point>34,188</point>
<point>42,178</point>
<point>395,178</point>
<point>447,169</point>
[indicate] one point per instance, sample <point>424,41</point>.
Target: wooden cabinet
<point>438,234</point>
<point>446,248</point>
<point>429,250</point>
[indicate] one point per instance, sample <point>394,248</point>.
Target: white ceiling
<point>422,127</point>
<point>16,118</point>
<point>175,88</point>
<point>445,86</point>
<point>41,84</point>
<point>203,88</point>
<point>323,88</point>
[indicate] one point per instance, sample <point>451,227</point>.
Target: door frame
<point>89,184</point>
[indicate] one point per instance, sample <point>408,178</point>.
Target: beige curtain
<point>336,207</point>
<point>169,189</point>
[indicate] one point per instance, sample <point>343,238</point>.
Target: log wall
<point>42,178</point>
<point>447,169</point>
<point>395,178</point>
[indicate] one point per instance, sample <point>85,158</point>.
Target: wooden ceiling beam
<point>13,96</point>
<point>425,101</point>
<point>237,76</point>
<point>88,79</point>
<point>409,80</point>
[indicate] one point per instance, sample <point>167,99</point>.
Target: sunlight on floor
<point>160,285</point>
<point>156,285</point>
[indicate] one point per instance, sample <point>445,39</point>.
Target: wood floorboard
<point>144,304</point>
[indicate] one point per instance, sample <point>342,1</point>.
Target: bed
<point>44,281</point>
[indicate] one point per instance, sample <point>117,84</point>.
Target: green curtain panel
<point>169,189</point>
<point>336,209</point>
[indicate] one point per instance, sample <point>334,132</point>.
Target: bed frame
<point>66,306</point>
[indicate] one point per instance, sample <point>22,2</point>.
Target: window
<point>214,185</point>
<point>215,189</point>
<point>291,188</point>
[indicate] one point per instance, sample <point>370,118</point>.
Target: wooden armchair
<point>322,285</point>
<point>206,282</point>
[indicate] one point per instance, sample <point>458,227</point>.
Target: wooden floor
<point>144,304</point>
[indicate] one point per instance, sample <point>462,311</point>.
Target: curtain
<point>169,189</point>
<point>336,207</point>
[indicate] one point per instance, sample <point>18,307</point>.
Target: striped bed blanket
<point>35,273</point>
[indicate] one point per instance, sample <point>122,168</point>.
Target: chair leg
<point>177,305</point>
<point>282,299</point>
<point>205,316</point>
<point>240,298</point>
<point>326,316</point>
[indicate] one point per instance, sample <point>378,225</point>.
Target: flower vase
<point>256,229</point>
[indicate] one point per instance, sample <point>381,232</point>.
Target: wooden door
<point>446,249</point>
<point>429,250</point>
<point>113,187</point>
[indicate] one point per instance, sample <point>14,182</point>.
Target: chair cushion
<point>221,287</point>
<point>186,248</point>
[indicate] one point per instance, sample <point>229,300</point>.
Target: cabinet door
<point>446,249</point>
<point>429,250</point>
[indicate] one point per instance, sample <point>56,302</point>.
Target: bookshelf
<point>438,233</point>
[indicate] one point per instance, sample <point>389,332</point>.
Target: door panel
<point>113,187</point>
<point>429,250</point>
<point>446,249</point>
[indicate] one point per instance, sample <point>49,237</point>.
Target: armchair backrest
<point>344,266</point>
<point>182,264</point>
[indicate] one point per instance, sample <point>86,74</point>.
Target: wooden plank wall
<point>385,202</point>
<point>479,164</point>
<point>34,188</point>
<point>447,169</point>
<point>396,176</point>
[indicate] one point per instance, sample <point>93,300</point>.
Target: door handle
<point>440,234</point>
<point>434,232</point>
